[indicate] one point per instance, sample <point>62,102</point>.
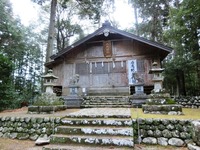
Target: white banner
<point>132,68</point>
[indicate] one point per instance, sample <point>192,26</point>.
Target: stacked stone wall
<point>163,131</point>
<point>28,127</point>
<point>189,101</point>
<point>151,131</point>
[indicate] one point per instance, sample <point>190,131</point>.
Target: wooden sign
<point>107,49</point>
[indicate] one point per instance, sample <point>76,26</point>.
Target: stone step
<point>106,102</point>
<point>96,122</point>
<point>82,147</point>
<point>91,130</point>
<point>111,100</point>
<point>107,97</point>
<point>92,140</point>
<point>105,106</point>
<point>122,101</point>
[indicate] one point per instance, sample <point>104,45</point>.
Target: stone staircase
<point>93,131</point>
<point>106,102</point>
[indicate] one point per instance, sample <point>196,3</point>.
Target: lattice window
<point>82,68</point>
<point>140,66</point>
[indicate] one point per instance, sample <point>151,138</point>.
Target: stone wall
<point>28,127</point>
<point>189,101</point>
<point>196,132</point>
<point>163,131</point>
<point>151,131</point>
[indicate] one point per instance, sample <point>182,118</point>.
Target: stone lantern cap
<point>49,75</point>
<point>155,68</point>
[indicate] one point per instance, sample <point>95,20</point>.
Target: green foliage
<point>176,23</point>
<point>6,94</point>
<point>46,99</point>
<point>66,27</point>
<point>20,59</point>
<point>154,15</point>
<point>182,71</point>
<point>170,101</point>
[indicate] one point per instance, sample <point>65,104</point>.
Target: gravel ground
<point>102,112</point>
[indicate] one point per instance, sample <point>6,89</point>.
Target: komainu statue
<point>137,77</point>
<point>74,79</point>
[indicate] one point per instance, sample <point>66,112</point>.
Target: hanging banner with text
<point>132,68</point>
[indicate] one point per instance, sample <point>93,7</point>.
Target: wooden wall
<point>101,74</point>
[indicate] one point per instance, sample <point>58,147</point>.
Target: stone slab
<point>162,109</point>
<point>102,112</point>
<point>73,101</point>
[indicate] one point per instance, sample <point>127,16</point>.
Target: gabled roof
<point>107,27</point>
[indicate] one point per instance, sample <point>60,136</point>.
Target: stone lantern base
<point>162,109</point>
<point>160,103</point>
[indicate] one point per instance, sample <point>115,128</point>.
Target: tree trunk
<point>181,82</point>
<point>136,20</point>
<point>197,58</point>
<point>51,34</point>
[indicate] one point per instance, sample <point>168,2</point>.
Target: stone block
<point>193,147</point>
<point>196,132</point>
<point>163,141</point>
<point>42,140</point>
<point>149,140</point>
<point>33,109</point>
<point>45,109</point>
<point>22,136</point>
<point>176,142</point>
<point>162,109</point>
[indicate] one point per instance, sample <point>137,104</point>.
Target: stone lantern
<point>49,81</point>
<point>159,101</point>
<point>157,77</point>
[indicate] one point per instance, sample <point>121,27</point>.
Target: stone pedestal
<point>160,103</point>
<point>139,90</point>
<point>139,97</point>
<point>162,109</point>
<point>73,100</point>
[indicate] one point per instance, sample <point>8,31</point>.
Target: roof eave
<point>112,30</point>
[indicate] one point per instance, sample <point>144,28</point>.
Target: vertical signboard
<point>132,68</point>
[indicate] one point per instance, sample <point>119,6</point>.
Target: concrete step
<point>91,130</point>
<point>92,140</point>
<point>97,121</point>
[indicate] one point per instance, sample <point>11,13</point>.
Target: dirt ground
<point>13,144</point>
<point>22,112</point>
